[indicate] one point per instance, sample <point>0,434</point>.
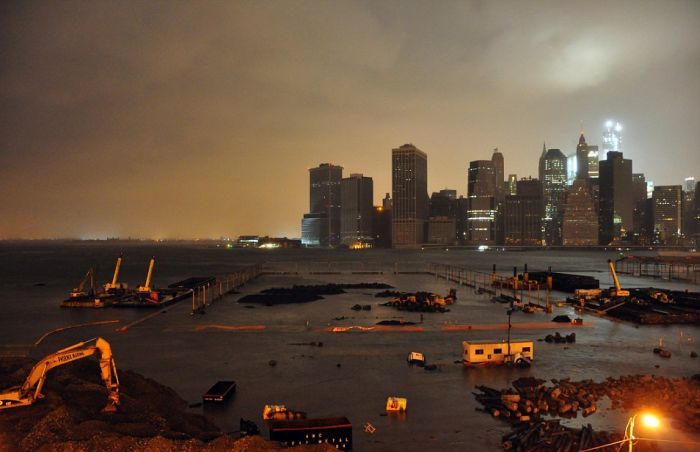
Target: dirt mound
<point>151,417</point>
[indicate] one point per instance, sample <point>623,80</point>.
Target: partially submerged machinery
<point>30,391</point>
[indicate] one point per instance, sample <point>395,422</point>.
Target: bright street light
<point>648,419</point>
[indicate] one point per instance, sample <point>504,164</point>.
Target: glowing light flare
<point>649,420</point>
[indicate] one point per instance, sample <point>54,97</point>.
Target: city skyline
<point>200,120</point>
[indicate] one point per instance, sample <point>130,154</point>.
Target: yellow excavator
<point>30,390</point>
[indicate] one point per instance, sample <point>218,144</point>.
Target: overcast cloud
<point>200,119</point>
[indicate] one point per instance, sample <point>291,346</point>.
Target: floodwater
<point>353,373</point>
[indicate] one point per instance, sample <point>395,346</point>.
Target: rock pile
<point>529,400</point>
<point>559,339</point>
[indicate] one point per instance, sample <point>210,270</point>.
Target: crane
<point>617,291</point>
<point>115,285</point>
<point>80,290</point>
<point>30,390</point>
<point>147,285</point>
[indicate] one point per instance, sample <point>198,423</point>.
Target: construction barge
<point>119,294</point>
<point>646,306</point>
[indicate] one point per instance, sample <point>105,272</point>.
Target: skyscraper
<point>615,204</point>
<point>667,214</point>
<point>582,158</point>
<point>641,234</point>
<point>499,174</point>
<point>481,190</point>
<point>442,222</point>
<point>612,137</point>
<point>593,162</point>
<point>580,220</point>
<point>522,214</point>
<point>321,226</point>
<point>553,190</point>
<point>409,184</point>
<point>512,185</point>
<point>356,195</point>
<point>689,206</point>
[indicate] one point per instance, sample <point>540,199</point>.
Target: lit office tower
<point>356,196</point>
<point>512,185</point>
<point>481,191</point>
<point>321,226</point>
<point>615,198</point>
<point>582,158</point>
<point>409,183</point>
<point>667,214</point>
<point>571,169</point>
<point>522,217</point>
<point>612,137</point>
<point>553,190</point>
<point>580,222</point>
<point>593,162</point>
<point>497,160</point>
<point>689,206</point>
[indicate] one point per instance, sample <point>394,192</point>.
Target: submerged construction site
<point>257,339</point>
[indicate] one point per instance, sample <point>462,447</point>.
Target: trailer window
<point>526,349</point>
<point>479,351</point>
<point>498,351</point>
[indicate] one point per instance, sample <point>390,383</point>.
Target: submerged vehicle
<point>478,353</point>
<point>220,392</point>
<point>416,358</point>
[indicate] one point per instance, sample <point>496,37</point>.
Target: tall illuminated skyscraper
<point>612,137</point>
<point>553,189</point>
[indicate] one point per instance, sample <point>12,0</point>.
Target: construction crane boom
<point>147,285</point>
<point>30,390</point>
<point>617,292</point>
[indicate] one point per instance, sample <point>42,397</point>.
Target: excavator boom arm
<point>31,388</point>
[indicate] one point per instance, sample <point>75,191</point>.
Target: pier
<point>671,268</point>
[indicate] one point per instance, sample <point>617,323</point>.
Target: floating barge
<point>220,392</point>
<point>336,431</point>
<point>566,282</point>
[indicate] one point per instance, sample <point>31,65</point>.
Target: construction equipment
<point>79,291</point>
<point>30,390</point>
<point>617,291</point>
<point>115,285</point>
<point>147,285</point>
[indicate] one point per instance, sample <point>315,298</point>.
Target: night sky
<point>200,119</point>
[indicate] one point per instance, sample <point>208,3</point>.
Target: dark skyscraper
<point>356,197</point>
<point>580,220</point>
<point>324,204</point>
<point>409,182</point>
<point>553,191</point>
<point>582,158</point>
<point>522,214</point>
<point>641,234</point>
<point>615,203</point>
<point>481,190</point>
